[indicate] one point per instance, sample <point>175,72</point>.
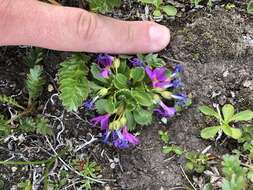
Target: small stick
<point>187,178</point>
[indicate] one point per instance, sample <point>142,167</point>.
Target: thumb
<point>29,22</point>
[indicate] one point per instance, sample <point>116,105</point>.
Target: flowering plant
<point>126,92</point>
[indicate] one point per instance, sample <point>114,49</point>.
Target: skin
<point>30,22</point>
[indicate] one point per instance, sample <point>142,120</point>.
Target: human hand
<point>30,22</point>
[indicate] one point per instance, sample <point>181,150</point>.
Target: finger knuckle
<point>86,25</point>
<point>130,33</point>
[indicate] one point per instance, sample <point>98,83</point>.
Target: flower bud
<point>156,98</point>
<point>103,92</point>
<point>112,126</point>
<point>123,121</point>
<point>166,94</point>
<point>116,63</point>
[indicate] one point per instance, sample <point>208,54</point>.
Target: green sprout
<point>196,162</point>
<point>250,7</point>
<point>172,149</point>
<point>160,7</point>
<point>225,119</point>
<point>164,136</point>
<point>103,6</point>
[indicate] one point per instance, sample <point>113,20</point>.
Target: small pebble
<point>225,74</point>
<point>50,88</point>
<point>164,120</point>
<point>14,169</point>
<point>107,187</point>
<point>112,165</point>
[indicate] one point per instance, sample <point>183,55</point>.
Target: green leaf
<point>228,112</point>
<point>153,60</point>
<point>130,120</point>
<point>232,132</point>
<point>232,167</point>
<point>103,6</point>
<point>95,71</point>
<point>143,98</point>
<point>125,95</point>
<point>164,136</point>
<point>246,115</point>
<point>93,86</point>
<point>10,101</point>
<point>100,106</point>
<point>172,149</point>
<point>209,132</point>
<point>195,2</point>
<point>120,81</point>
<point>209,111</point>
<point>250,176</point>
<point>109,106</point>
<point>169,10</point>
<point>157,13</point>
<point>137,74</point>
<point>189,166</point>
<point>4,127</point>
<point>123,68</point>
<point>250,7</point>
<point>167,149</point>
<point>74,86</point>
<point>142,117</point>
<point>35,82</point>
<point>34,57</point>
<point>25,185</point>
<point>156,3</point>
<point>208,186</point>
<point>42,127</point>
<point>39,125</point>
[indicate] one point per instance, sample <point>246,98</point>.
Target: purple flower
<point>182,99</point>
<point>106,136</point>
<point>178,69</point>
<point>105,60</point>
<point>174,84</point>
<point>103,120</point>
<point>105,72</point>
<point>158,77</point>
<point>119,140</point>
<point>165,111</point>
<point>122,138</point>
<point>89,104</point>
<point>136,62</point>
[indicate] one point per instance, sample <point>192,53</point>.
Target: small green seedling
<point>160,7</point>
<point>173,149</point>
<point>164,136</point>
<point>34,86</point>
<point>235,174</point>
<point>250,7</point>
<point>195,2</point>
<point>103,6</point>
<point>225,119</point>
<point>87,170</point>
<point>25,185</point>
<point>230,6</point>
<point>196,162</point>
<point>247,141</point>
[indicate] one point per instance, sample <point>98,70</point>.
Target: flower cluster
<point>126,92</point>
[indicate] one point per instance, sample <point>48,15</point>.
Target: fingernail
<point>159,36</point>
